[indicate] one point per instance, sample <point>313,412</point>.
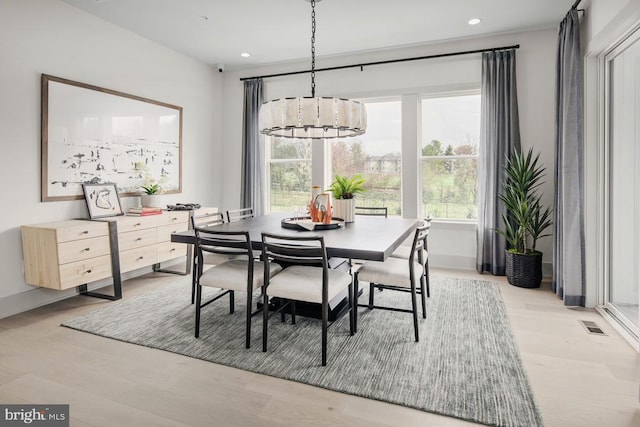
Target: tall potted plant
<point>343,190</point>
<point>526,218</point>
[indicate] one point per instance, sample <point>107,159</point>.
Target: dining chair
<point>210,220</point>
<point>397,275</point>
<point>242,273</point>
<point>403,252</point>
<point>239,214</point>
<point>372,210</point>
<point>306,277</point>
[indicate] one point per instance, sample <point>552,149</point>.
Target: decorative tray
<point>305,224</point>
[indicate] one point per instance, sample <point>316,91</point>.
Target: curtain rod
<point>575,5</point>
<point>390,61</point>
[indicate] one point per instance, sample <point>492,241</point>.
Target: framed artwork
<point>92,135</point>
<point>102,200</point>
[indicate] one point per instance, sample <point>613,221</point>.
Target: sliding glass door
<point>623,211</point>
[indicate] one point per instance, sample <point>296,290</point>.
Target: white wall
<point>51,37</point>
<point>536,83</point>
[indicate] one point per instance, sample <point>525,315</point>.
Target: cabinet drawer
<point>74,230</point>
<point>164,232</point>
<point>170,250</point>
<point>78,250</point>
<point>137,258</point>
<point>81,272</point>
<point>134,223</point>
<point>136,239</point>
<point>173,217</point>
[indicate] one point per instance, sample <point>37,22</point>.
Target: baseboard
<point>38,297</point>
<point>452,261</point>
<point>469,263</point>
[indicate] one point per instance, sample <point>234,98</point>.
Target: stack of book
<point>144,211</point>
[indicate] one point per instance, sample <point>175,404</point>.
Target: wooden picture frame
<point>102,200</point>
<point>91,135</point>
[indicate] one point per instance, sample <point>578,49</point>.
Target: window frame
<point>421,158</point>
<point>267,170</point>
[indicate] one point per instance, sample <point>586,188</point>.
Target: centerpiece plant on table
<point>344,190</point>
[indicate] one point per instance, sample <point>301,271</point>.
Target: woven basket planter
<point>524,270</point>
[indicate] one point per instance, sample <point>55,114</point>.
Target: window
<point>450,137</point>
<point>288,173</point>
<point>375,155</point>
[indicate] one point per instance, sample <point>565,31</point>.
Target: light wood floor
<point>578,379</point>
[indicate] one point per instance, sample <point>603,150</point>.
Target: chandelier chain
<point>313,48</point>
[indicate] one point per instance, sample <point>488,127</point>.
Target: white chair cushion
<point>233,275</point>
<point>393,271</point>
<point>403,252</point>
<point>304,283</point>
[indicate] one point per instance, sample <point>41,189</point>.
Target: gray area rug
<point>466,364</point>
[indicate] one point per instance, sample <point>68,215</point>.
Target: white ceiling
<point>217,31</point>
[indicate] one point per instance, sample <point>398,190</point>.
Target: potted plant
<point>526,219</point>
<point>343,190</point>
<point>151,188</point>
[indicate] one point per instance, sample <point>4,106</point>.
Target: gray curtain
<point>499,135</point>
<point>568,244</point>
<point>252,191</point>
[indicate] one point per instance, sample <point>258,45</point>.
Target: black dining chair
<point>403,252</point>
<point>239,214</point>
<point>242,273</point>
<point>210,257</point>
<point>306,277</point>
<point>372,210</point>
<point>397,275</point>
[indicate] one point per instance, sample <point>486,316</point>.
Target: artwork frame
<point>92,135</point>
<point>102,200</point>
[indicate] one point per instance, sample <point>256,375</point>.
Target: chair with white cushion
<point>403,252</point>
<point>210,220</point>
<point>306,277</point>
<point>398,275</point>
<point>372,210</point>
<point>239,214</point>
<point>242,273</point>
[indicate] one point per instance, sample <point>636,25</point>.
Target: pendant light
<point>313,117</point>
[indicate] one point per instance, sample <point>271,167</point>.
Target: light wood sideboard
<point>66,254</point>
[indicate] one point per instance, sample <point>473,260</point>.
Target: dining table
<point>368,238</point>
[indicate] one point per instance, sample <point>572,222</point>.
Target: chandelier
<point>313,117</point>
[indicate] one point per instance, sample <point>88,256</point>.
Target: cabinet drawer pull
<point>88,271</point>
<point>137,224</point>
<point>174,219</point>
<point>172,249</point>
<point>85,232</point>
<point>139,258</point>
<point>138,239</point>
<point>86,249</point>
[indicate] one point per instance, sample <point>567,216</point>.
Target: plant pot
<point>524,270</point>
<point>345,209</point>
<point>151,200</point>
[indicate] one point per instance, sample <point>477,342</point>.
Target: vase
<point>524,270</point>
<point>345,209</point>
<point>151,200</point>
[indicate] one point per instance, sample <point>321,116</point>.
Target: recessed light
<point>245,54</point>
<point>474,21</point>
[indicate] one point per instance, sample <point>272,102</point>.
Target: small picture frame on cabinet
<point>102,200</point>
